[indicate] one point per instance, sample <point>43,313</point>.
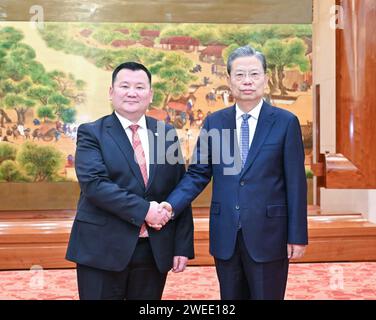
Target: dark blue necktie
<point>244,138</point>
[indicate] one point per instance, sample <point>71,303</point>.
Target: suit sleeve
<point>296,184</point>
<point>183,240</point>
<point>184,229</point>
<point>97,186</point>
<point>198,175</point>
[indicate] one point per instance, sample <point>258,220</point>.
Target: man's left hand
<point>180,264</point>
<point>295,251</point>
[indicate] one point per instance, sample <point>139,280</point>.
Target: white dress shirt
<point>252,121</point>
<point>142,132</point>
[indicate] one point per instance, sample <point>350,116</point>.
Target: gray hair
<point>246,51</point>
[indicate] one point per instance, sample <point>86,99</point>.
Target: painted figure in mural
<point>258,213</point>
<point>211,98</point>
<point>189,104</point>
<point>57,135</point>
<point>70,161</point>
<point>122,243</point>
<point>21,129</point>
<point>225,96</point>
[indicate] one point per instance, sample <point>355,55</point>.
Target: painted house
<point>180,43</point>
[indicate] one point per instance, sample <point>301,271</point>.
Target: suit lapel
<point>116,131</point>
<point>153,145</point>
<point>264,124</point>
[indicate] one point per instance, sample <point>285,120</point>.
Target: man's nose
<point>130,92</point>
<point>247,78</point>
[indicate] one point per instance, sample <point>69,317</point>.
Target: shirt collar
<point>255,112</point>
<point>126,123</point>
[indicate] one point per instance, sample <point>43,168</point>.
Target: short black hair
<point>130,65</point>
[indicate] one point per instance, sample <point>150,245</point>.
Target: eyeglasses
<point>242,75</point>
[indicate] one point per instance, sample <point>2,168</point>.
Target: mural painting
<point>54,79</point>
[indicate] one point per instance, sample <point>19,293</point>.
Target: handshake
<point>158,215</point>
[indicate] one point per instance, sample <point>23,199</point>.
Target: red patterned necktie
<point>140,157</point>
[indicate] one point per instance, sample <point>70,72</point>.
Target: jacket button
<point>237,207</point>
<point>242,183</point>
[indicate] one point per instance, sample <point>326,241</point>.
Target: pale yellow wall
<point>324,72</point>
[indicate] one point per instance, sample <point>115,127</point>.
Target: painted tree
<point>41,95</point>
<point>105,59</point>
<point>173,77</point>
<point>68,86</point>
<point>45,112</point>
<point>207,34</point>
<point>59,97</point>
<point>10,172</point>
<point>7,152</point>
<point>69,115</point>
<point>41,163</point>
<point>59,103</point>
<point>263,34</point>
<point>284,54</point>
<point>17,100</point>
<point>238,35</point>
<point>227,51</point>
<point>24,83</point>
<point>11,71</point>
<point>4,118</point>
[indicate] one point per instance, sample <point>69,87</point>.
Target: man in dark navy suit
<point>126,163</point>
<point>255,156</point>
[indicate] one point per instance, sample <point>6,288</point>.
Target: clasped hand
<point>158,215</point>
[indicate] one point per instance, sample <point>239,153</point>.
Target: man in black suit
<point>126,163</point>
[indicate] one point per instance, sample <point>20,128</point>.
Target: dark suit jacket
<point>114,201</point>
<point>268,195</point>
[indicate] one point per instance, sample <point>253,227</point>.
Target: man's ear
<point>266,81</point>
<point>229,81</point>
<point>110,92</point>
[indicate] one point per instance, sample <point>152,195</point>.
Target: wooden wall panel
<point>192,11</point>
<point>27,241</point>
<point>356,98</point>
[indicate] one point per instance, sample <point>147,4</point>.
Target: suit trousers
<point>141,279</point>
<point>242,278</point>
